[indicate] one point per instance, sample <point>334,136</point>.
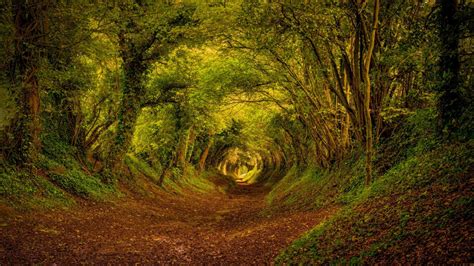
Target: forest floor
<point>193,229</point>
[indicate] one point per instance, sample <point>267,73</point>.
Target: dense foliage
<point>337,95</point>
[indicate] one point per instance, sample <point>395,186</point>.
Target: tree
<point>65,76</point>
<point>140,44</point>
<point>325,69</point>
<point>30,21</point>
<point>369,146</point>
<point>451,103</point>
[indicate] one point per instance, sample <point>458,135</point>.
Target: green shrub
<point>57,152</point>
<point>20,189</point>
<point>81,184</point>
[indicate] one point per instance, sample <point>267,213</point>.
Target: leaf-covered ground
<point>196,228</point>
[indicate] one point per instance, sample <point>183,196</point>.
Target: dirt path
<point>216,229</point>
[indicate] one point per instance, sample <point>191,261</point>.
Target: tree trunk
<point>368,120</point>
<point>190,144</point>
<point>450,103</point>
<point>205,153</point>
<point>132,51</point>
<point>30,26</point>
<point>129,110</point>
<point>346,123</point>
<point>181,150</point>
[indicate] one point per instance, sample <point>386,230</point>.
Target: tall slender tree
<point>369,139</point>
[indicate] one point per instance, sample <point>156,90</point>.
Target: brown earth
<point>191,229</point>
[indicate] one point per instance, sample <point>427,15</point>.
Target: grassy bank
<point>60,179</point>
<point>418,209</point>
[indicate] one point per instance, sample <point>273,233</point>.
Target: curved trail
<point>195,229</point>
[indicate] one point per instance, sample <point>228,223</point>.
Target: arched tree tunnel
<point>249,167</point>
<point>218,132</point>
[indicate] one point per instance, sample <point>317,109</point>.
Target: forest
<point>236,132</point>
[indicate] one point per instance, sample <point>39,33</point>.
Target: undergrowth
<point>314,188</point>
<point>58,179</point>
<point>24,190</point>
